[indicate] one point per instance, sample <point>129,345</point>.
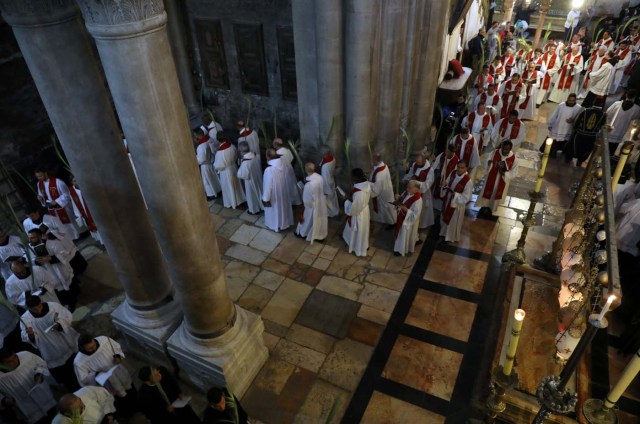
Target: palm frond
<point>347,153</point>
<point>10,170</point>
<point>408,144</point>
<point>275,124</point>
<point>267,141</point>
<point>624,28</point>
<point>547,34</point>
<point>250,106</point>
<point>297,156</point>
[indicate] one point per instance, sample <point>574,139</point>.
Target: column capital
<point>35,13</point>
<point>122,18</point>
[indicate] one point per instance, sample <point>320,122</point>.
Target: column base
<point>233,359</point>
<point>146,332</point>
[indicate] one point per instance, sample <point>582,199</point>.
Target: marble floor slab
<point>457,271</point>
<point>384,409</point>
<point>328,313</point>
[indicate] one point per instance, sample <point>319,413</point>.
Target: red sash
<point>495,71</point>
<point>508,62</point>
<point>353,191</point>
<point>444,174</point>
<point>448,210</point>
<point>590,69</point>
<point>326,159</point>
<point>245,133</point>
<point>515,128</point>
<point>60,212</point>
<point>422,175</point>
<point>493,175</point>
<point>84,210</point>
<point>482,82</point>
<point>373,180</point>
<point>224,146</point>
<point>604,43</point>
<point>201,140</point>
<point>485,123</point>
<point>525,77</point>
<point>566,80</point>
<point>401,215</point>
<point>624,53</point>
<point>468,148</point>
<point>508,106</point>
<point>546,81</point>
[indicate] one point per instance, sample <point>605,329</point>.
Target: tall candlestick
<point>543,165</point>
<point>606,307</point>
<point>518,317</point>
<point>629,373</point>
<point>624,155</point>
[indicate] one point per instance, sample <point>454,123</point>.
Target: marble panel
<point>379,297</point>
<point>273,265</point>
<point>320,402</point>
<point>274,375</point>
<point>312,339</point>
<point>314,248</point>
<point>266,240</point>
<point>307,258</point>
<point>321,264</point>
<point>312,276</point>
<point>365,331</point>
<point>328,252</point>
<point>390,280</point>
<point>246,216</point>
<point>379,259</point>
<point>373,315</point>
<point>457,271</point>
<point>340,287</point>
<point>270,340</point>
<point>255,298</point>
<point>230,227</point>
<point>328,313</point>
<point>246,254</point>
<point>384,409</point>
<point>286,302</point>
<point>239,275</point>
<point>269,280</point>
<point>478,235</point>
<point>346,364</point>
<point>298,355</point>
<point>245,234</point>
<point>289,249</point>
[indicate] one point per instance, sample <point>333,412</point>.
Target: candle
<point>606,307</point>
<point>518,317</point>
<point>624,155</point>
<point>627,377</point>
<point>543,165</point>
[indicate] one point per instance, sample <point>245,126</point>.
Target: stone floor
<point>380,339</point>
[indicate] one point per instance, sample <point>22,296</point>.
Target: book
<point>181,402</point>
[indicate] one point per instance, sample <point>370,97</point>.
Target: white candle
<point>606,307</point>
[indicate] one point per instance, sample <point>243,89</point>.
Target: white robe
<point>327,170</point>
<point>33,399</point>
<point>98,403</point>
<point>279,215</point>
<point>453,230</point>
<point>80,221</point>
<point>252,140</point>
<point>494,202</point>
<point>210,179</point>
<point>40,277</point>
<point>315,224</point>
<point>597,65</point>
<point>437,201</point>
<point>408,234</point>
<point>212,130</point>
<point>61,270</point>
<point>63,201</point>
<point>382,190</point>
<point>619,72</point>
<point>560,129</point>
<point>252,177</point>
<point>13,249</point>
<point>510,98</point>
<point>620,120</point>
<point>287,159</point>
<point>600,80</point>
<point>88,367</point>
<point>498,139</point>
<point>558,94</point>
<point>527,108</point>
<point>225,164</point>
<point>52,222</point>
<point>426,215</point>
<point>552,72</point>
<point>628,227</point>
<point>474,159</point>
<point>356,232</point>
<point>493,103</point>
<point>480,132</point>
<point>55,346</point>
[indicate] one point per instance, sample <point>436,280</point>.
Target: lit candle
<point>543,165</point>
<point>606,307</point>
<point>627,377</point>
<point>518,317</point>
<point>624,155</point>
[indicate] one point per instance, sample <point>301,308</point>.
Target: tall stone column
<point>57,49</point>
<point>544,9</point>
<point>217,342</point>
<point>175,26</point>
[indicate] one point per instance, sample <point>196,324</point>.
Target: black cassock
<point>154,407</point>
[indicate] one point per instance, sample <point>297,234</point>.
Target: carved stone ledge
<point>114,12</point>
<point>30,13</point>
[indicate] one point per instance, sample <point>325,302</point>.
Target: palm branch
<point>263,129</point>
<point>250,106</point>
<point>624,28</point>
<point>275,124</point>
<point>297,156</point>
<point>547,34</point>
<point>333,123</point>
<point>10,170</point>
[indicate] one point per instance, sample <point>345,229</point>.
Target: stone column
<point>217,342</point>
<point>175,26</point>
<point>508,10</point>
<point>362,65</point>
<point>544,9</point>
<point>60,57</point>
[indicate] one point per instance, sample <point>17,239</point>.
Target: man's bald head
<point>413,186</point>
<point>277,143</point>
<point>420,159</point>
<point>271,154</point>
<point>69,404</point>
<point>377,157</point>
<point>310,168</point>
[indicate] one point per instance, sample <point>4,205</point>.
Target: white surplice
<point>39,277</point>
<point>493,202</point>
<point>560,129</point>
<point>88,367</point>
<point>356,230</point>
<point>55,346</point>
<point>61,270</point>
<point>251,173</point>
<point>210,179</point>
<point>552,63</point>
<point>593,65</point>
<point>225,164</point>
<point>326,170</point>
<point>52,222</point>
<point>382,195</point>
<point>468,154</point>
<point>13,249</point>
<point>625,57</point>
<point>559,94</point>
<point>493,104</point>
<point>481,128</point>
<point>251,137</point>
<point>527,108</point>
<point>33,399</point>
<point>425,175</point>
<point>600,80</point>
<point>98,403</point>
<point>408,234</point>
<point>279,215</point>
<point>315,221</point>
<point>63,201</point>
<point>620,120</point>
<point>287,160</point>
<point>453,230</point>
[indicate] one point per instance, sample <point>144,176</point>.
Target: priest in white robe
<point>423,174</point>
<point>620,115</point>
<point>409,206</point>
<point>250,136</point>
<point>444,165</point>
<point>552,63</point>
<point>54,194</point>
<point>531,79</point>
<point>560,123</point>
<point>512,93</point>
<point>225,165</point>
<point>502,167</point>
<point>595,62</point>
<point>278,214</point>
<point>327,169</point>
<point>492,102</point>
<point>210,179</point>
<point>599,82</point>
<point>24,383</point>
<point>250,172</point>
<point>568,76</point>
<point>356,207</point>
<point>210,126</point>
<point>47,326</point>
<point>624,53</point>
<point>24,282</point>
<point>480,125</point>
<point>382,196</point>
<point>287,161</point>
<point>628,229</point>
<point>511,128</point>
<point>458,193</point>
<point>81,210</point>
<point>313,223</point>
<point>92,404</point>
<point>467,150</point>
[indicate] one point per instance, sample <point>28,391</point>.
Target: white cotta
<point>427,218</point>
<point>80,221</point>
<point>13,249</point>
<point>252,140</point>
<point>64,201</point>
<point>55,346</point>
<point>480,131</point>
<point>628,227</point>
<point>453,230</point>
<point>557,94</point>
<point>251,173</point>
<point>327,170</point>
<point>279,215</point>
<point>210,179</point>
<point>600,80</point>
<point>498,139</point>
<point>286,157</point>
<point>315,221</point>
<point>561,129</point>
<point>39,278</point>
<point>527,108</point>
<point>61,270</point>
<point>382,190</point>
<point>32,399</point>
<point>552,72</point>
<point>98,403</point>
<point>494,201</point>
<point>225,164</point>
<point>52,222</point>
<point>408,235</point>
<point>620,120</point>
<point>474,159</point>
<point>88,367</point>
<point>493,104</point>
<point>356,230</point>
<point>618,72</point>
<point>442,178</point>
